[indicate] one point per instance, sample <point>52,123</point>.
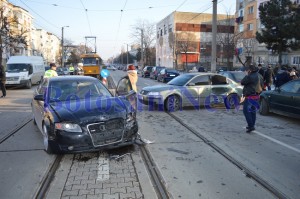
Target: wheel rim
<point>45,137</point>
<point>173,103</point>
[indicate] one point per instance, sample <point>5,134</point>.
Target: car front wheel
<point>48,145</point>
<point>263,107</point>
<point>172,103</point>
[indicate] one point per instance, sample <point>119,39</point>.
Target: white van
<point>24,70</point>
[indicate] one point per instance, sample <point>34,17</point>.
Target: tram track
<point>248,172</point>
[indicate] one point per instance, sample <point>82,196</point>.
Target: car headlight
<point>69,127</point>
<point>153,93</point>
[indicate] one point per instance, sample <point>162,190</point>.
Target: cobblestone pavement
<point>99,175</point>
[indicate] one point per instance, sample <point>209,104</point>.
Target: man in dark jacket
<point>269,76</point>
<point>2,81</point>
<point>253,84</point>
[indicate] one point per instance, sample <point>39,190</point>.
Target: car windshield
<point>238,76</point>
<point>180,80</point>
<point>17,67</point>
<point>76,89</point>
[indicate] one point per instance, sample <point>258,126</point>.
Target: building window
<point>241,27</point>
<point>241,13</point>
<point>296,60</point>
<point>250,10</point>
<point>250,26</point>
<point>170,27</point>
<point>165,29</point>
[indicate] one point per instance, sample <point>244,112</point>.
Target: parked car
<point>236,76</point>
<point>78,114</point>
<point>111,67</point>
<point>193,89</point>
<point>62,71</point>
<point>155,70</point>
<point>167,74</point>
<point>146,71</point>
<point>284,100</point>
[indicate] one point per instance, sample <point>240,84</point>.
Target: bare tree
<point>145,30</point>
<point>11,36</point>
<point>186,42</point>
<point>247,44</point>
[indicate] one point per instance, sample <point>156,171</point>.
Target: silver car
<point>193,89</point>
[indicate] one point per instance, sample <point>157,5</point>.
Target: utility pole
<point>214,39</point>
<point>62,45</point>
<point>127,54</point>
<point>142,47</point>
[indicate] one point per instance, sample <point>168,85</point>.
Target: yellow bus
<point>91,64</point>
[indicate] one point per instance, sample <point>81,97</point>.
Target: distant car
<point>167,74</point>
<point>111,67</point>
<point>155,70</point>
<point>284,100</point>
<point>146,71</point>
<point>236,76</point>
<point>193,89</point>
<point>79,114</point>
<point>62,71</point>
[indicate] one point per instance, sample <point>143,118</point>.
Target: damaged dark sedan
<point>79,114</point>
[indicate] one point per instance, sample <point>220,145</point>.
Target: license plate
<point>172,75</point>
<point>11,82</point>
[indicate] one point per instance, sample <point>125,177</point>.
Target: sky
<point>112,22</point>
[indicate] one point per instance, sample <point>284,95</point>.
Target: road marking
<point>103,169</point>
<point>278,142</point>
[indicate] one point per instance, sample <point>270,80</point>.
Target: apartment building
<point>248,23</point>
<point>194,30</point>
<point>39,42</point>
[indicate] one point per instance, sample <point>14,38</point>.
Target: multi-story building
<point>185,38</point>
<point>46,44</point>
<point>248,23</point>
<point>39,42</point>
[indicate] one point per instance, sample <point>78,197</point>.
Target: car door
<point>286,98</point>
<point>124,89</point>
<point>38,105</point>
<point>198,90</point>
<point>219,88</point>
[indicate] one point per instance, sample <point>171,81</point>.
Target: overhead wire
<point>39,15</point>
<point>181,5</point>
<point>118,30</point>
<point>87,16</point>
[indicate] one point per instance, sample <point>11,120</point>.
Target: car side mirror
<point>39,97</point>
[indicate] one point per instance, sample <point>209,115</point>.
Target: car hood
<point>159,88</point>
<point>92,110</point>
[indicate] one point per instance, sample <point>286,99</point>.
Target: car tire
<point>49,146</point>
<point>172,103</point>
<point>163,80</point>
<point>28,84</point>
<point>232,101</point>
<point>263,107</point>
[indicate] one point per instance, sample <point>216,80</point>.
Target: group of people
<point>257,80</point>
<point>277,76</point>
<point>52,70</point>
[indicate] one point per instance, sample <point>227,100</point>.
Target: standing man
<point>71,69</point>
<point>269,76</point>
<point>51,72</point>
<point>253,84</point>
<point>133,77</point>
<point>2,80</point>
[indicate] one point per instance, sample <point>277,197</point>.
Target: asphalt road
<point>189,167</point>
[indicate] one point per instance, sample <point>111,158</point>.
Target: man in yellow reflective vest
<point>51,72</point>
<point>71,70</point>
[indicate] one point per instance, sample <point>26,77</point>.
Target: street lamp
<point>62,44</point>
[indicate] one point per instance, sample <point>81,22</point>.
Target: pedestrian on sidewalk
<point>253,84</point>
<point>2,81</point>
